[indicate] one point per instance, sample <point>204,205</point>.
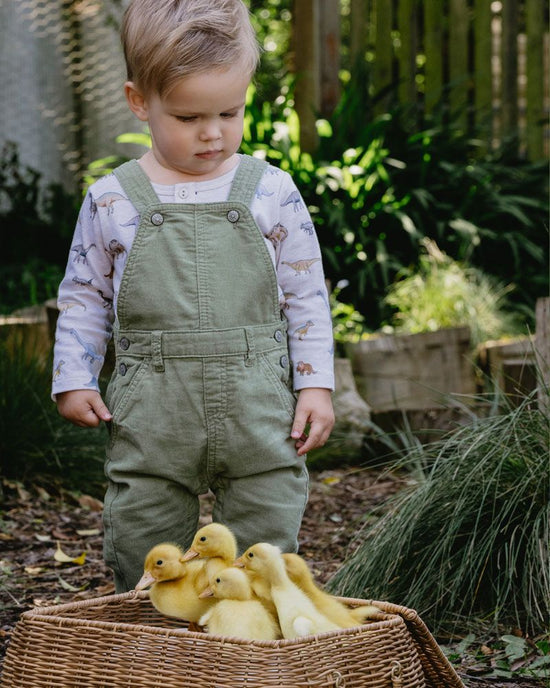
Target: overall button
<point>157,219</point>
<point>123,369</point>
<point>278,336</point>
<point>183,193</point>
<point>283,361</point>
<point>124,344</point>
<point>233,216</point>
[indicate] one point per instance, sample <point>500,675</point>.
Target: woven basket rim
<point>135,595</point>
<point>54,614</point>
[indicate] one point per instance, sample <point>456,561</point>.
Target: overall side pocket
<point>125,380</point>
<point>280,379</point>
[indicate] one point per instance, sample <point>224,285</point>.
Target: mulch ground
<point>42,524</point>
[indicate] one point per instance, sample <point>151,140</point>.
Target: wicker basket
<point>122,641</point>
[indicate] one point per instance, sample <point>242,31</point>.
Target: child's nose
<point>210,131</point>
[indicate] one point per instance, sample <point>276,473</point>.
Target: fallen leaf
<point>100,591</point>
<point>41,602</point>
<point>24,495</point>
<point>42,493</point>
<point>331,480</point>
<point>86,533</point>
<point>63,558</point>
<point>33,570</point>
<point>59,534</point>
<point>90,502</point>
<point>42,538</point>
<point>69,587</point>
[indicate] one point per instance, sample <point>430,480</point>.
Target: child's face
<point>198,126</point>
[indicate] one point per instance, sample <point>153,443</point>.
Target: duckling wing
<point>240,619</point>
<point>294,607</point>
<point>179,600</point>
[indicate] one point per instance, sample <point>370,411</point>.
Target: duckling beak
<point>207,592</point>
<point>239,563</point>
<point>145,581</point>
<point>190,554</point>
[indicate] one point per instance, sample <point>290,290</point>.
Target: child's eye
<point>185,118</point>
<point>228,115</point>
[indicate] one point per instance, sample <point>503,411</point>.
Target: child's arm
<point>314,407</point>
<point>85,302</point>
<point>83,407</point>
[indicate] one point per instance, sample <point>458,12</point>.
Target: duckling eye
<point>160,562</point>
<point>250,555</point>
<point>218,580</point>
<point>203,538</point>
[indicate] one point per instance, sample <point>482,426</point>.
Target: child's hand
<point>314,407</point>
<point>83,407</point>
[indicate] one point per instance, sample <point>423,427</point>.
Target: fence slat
<point>534,20</point>
<point>509,60</point>
<point>359,13</point>
<point>382,70</point>
<point>407,24</point>
<point>433,47</point>
<point>458,60</point>
<point>329,55</point>
<point>483,79</point>
<point>306,51</point>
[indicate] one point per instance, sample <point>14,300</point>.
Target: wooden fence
<point>486,61</point>
<point>61,69</point>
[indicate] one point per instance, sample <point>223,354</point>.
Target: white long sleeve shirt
<point>103,239</point>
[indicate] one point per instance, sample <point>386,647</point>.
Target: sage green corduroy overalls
<point>201,394</point>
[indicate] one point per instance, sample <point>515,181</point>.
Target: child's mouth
<point>208,155</point>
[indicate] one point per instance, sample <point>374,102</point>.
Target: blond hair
<point>167,40</point>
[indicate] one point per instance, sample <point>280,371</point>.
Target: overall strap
<point>136,185</point>
<point>246,179</point>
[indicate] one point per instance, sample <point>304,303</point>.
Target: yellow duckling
<point>175,583</point>
<point>261,587</point>
<point>297,614</point>
<point>217,545</point>
<point>236,613</point>
<point>299,573</point>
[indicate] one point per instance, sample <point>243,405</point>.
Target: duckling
<point>236,613</point>
<point>261,588</point>
<point>297,613</point>
<point>217,545</point>
<point>299,573</point>
<point>175,583</point>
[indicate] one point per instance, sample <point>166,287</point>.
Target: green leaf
<point>324,128</point>
<point>142,139</point>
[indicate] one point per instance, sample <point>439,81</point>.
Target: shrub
<point>471,536</point>
<point>36,229</point>
<point>376,189</point>
<point>34,439</point>
<point>445,293</point>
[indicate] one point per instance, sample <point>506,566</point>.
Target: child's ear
<point>136,101</point>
